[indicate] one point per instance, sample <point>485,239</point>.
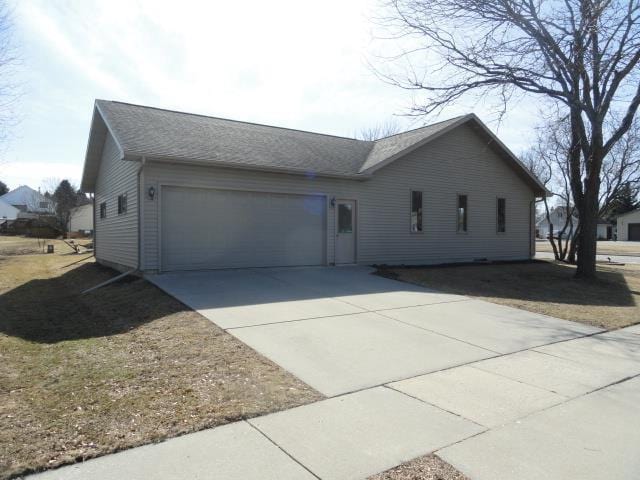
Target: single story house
<point>605,229</point>
<point>29,201</point>
<point>81,219</point>
<point>179,191</point>
<point>629,226</point>
<point>557,219</point>
<point>8,211</point>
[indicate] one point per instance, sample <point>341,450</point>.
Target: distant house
<point>557,219</point>
<point>81,219</point>
<point>29,202</point>
<point>629,226</point>
<point>8,211</point>
<point>178,191</point>
<point>605,229</point>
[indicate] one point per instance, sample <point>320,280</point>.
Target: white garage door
<point>206,229</point>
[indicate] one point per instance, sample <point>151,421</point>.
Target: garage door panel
<point>204,228</point>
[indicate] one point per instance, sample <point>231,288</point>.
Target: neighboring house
<point>29,201</point>
<point>178,191</point>
<point>558,217</point>
<point>629,226</point>
<point>7,211</point>
<point>81,219</point>
<point>605,229</point>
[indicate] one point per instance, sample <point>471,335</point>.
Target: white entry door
<point>346,231</point>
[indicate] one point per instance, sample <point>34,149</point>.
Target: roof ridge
<point>424,126</point>
<point>233,120</point>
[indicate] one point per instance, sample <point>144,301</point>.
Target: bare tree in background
<point>8,83</point>
<point>579,55</point>
<point>621,171</point>
<point>548,160</point>
<point>379,130</point>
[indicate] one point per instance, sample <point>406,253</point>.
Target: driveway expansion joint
<point>281,448</point>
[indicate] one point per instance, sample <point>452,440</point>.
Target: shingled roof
<point>158,134</point>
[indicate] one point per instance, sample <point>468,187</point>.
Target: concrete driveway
<point>343,329</point>
<point>499,393</point>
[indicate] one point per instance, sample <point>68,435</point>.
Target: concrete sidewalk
<point>499,393</point>
<point>558,412</point>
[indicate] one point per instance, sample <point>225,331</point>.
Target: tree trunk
<point>573,248</point>
<point>588,213</point>
<point>587,241</point>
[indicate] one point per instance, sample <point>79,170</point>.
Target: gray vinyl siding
<point>116,235</point>
<point>457,163</point>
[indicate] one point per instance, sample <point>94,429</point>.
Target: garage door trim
<point>159,213</point>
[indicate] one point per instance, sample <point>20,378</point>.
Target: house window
<point>103,210</point>
<point>345,218</point>
<point>462,213</point>
<point>501,215</point>
<point>122,203</point>
<point>416,211</point>
<point>44,205</point>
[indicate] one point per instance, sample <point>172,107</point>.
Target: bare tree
<point>379,130</point>
<point>8,84</point>
<point>548,161</point>
<point>620,170</point>
<point>582,56</point>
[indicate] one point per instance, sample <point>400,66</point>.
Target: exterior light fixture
<point>333,202</point>
<point>152,192</point>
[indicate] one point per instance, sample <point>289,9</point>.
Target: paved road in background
<point>599,258</point>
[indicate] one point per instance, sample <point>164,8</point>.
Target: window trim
<point>122,203</point>
<point>103,210</point>
<point>466,214</point>
<point>421,217</point>
<point>504,199</point>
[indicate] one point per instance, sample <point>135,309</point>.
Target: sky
<point>290,63</point>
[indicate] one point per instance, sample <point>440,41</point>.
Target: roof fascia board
<point>628,213</point>
<point>110,130</point>
<point>415,146</point>
<point>457,123</point>
<point>83,182</point>
<point>513,157</point>
<point>94,118</point>
<point>236,166</point>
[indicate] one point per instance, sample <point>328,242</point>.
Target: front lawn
<point>612,301</point>
<point>85,375</point>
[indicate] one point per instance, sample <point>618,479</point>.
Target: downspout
<point>141,213</point>
<point>95,226</point>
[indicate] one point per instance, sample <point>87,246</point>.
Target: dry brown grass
<point>429,467</point>
<point>18,245</point>
<point>612,301</point>
<point>82,376</point>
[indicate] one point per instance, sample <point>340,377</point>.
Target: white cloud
<point>290,63</point>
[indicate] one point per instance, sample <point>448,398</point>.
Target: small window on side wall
<point>462,213</point>
<point>122,204</point>
<point>416,211</point>
<point>501,215</point>
<point>103,210</point>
